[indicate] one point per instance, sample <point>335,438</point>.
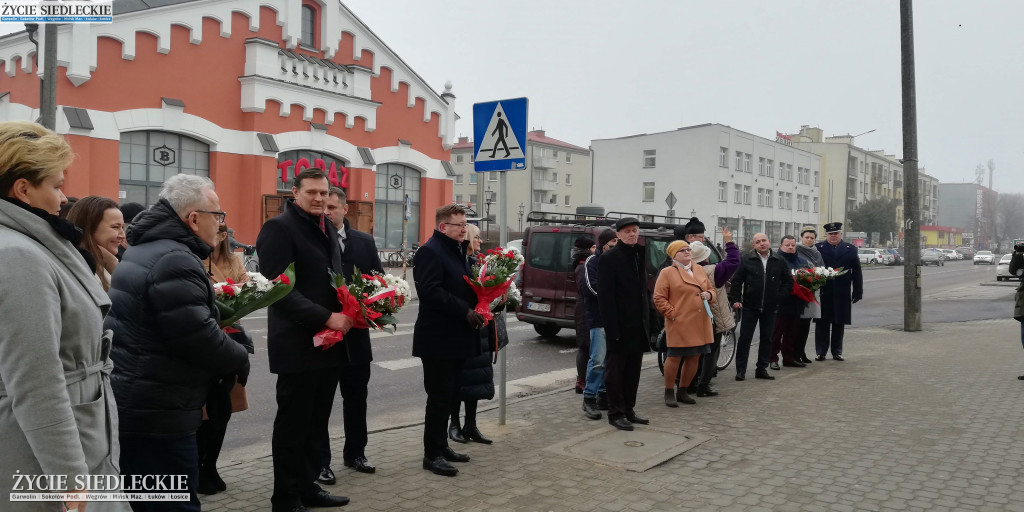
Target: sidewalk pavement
<point>926,421</point>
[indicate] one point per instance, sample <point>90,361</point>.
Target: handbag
<point>239,398</point>
<point>500,334</point>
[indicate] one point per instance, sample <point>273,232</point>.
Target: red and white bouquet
<point>370,300</point>
<point>236,300</point>
<point>493,273</point>
<point>806,281</point>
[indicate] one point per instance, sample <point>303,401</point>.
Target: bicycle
<point>252,261</point>
<point>396,258</point>
<point>725,354</point>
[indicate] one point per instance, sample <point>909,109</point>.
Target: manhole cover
<point>639,450</point>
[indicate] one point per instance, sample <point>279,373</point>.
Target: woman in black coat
<point>476,380</point>
<point>582,249</point>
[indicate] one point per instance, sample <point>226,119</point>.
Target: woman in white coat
<point>57,411</point>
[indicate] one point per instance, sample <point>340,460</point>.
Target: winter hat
<point>679,232</point>
<point>626,221</point>
<point>606,236</point>
<point>584,243</point>
<point>805,229</point>
<point>674,247</point>
<point>700,251</point>
<point>694,227</point>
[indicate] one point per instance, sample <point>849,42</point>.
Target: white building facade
<point>723,176</point>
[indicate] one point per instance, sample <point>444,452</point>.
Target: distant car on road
<point>897,258</point>
<point>871,256</point>
<point>1003,269</point>
<point>985,257</point>
<point>950,254</point>
<point>932,257</point>
<point>967,252</point>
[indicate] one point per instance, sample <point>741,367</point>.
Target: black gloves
<point>243,372</point>
<point>856,299</point>
<point>474,319</point>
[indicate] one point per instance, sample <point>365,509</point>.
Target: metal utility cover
<point>639,450</point>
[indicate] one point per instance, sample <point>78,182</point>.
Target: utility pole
<point>48,85</point>
<point>911,207</point>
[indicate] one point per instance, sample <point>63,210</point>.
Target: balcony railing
<point>544,162</point>
<point>897,183</point>
<point>544,184</point>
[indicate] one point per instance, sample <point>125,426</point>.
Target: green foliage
<point>876,215</point>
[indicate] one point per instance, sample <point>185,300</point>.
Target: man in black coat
<point>167,345</point>
<point>837,298</point>
<point>624,303</point>
<point>447,330</point>
<point>307,376</point>
<point>358,251</point>
<point>761,282</point>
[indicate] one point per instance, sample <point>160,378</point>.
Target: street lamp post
<point>487,215</point>
<point>522,210</point>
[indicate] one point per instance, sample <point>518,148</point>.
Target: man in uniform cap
<point>836,297</point>
<point>624,304</point>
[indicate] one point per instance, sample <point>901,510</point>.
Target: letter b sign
<point>163,155</point>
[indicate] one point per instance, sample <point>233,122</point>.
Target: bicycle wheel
<point>395,259</point>
<point>252,264</point>
<point>661,361</point>
<point>728,349</point>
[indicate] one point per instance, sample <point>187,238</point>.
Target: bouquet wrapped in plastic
<point>236,300</point>
<point>806,281</point>
<point>370,300</point>
<point>493,272</point>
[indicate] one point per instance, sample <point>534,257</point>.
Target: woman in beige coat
<point>681,294</point>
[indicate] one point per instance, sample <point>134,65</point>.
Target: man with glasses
<point>307,376</point>
<point>447,331</point>
<point>167,346</point>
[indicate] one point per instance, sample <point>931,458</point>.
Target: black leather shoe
<point>804,360</point>
<point>590,409</point>
<point>1020,377</point>
<point>439,466</point>
<point>793,364</point>
<point>819,357</point>
<point>636,418</point>
<point>740,377</point>
<point>298,508</point>
<point>763,374</point>
<point>473,434</point>
<point>705,390</point>
<point>621,424</point>
<point>455,433</point>
<point>774,366</point>
<point>361,465</point>
<point>838,357</point>
<point>453,456</point>
<point>326,476</point>
<point>324,499</point>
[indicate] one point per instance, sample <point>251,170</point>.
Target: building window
<point>760,167</point>
<point>748,162</point>
<point>389,205</point>
<point>554,154</point>
<point>737,196</point>
<point>782,200</point>
<point>799,203</point>
<point>739,161</point>
<point>554,177</point>
<point>817,179</point>
<point>771,168</point>
<point>768,198</point>
<point>143,155</point>
<point>568,178</point>
<point>554,198</point>
<point>567,201</point>
<point>746,195</point>
<point>458,198</point>
<point>650,157</point>
<point>568,157</point>
<point>472,199</point>
<point>722,191</point>
<point>459,158</point>
<point>648,191</point>
<point>458,179</point>
<point>308,26</point>
<point>760,196</point>
<point>492,176</point>
<point>789,200</point>
<point>723,157</point>
<point>472,179</point>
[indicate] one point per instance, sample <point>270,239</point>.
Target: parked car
<point>985,257</point>
<point>897,258</point>
<point>872,256</point>
<point>932,257</point>
<point>951,255</point>
<point>1003,269</point>
<point>548,283</point>
<point>966,252</point>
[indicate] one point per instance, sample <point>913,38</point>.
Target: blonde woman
<point>681,295</point>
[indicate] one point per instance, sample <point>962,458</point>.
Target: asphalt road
<point>953,292</point>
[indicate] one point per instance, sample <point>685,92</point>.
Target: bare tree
<point>1007,218</point>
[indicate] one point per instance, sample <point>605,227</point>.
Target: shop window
<point>147,158</point>
<point>395,182</point>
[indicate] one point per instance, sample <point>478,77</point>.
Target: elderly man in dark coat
<point>624,302</point>
<point>836,296</point>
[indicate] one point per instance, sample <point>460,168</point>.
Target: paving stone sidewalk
<point>927,421</point>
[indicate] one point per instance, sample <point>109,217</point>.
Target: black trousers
<point>709,363</point>
<point>441,382</point>
<point>828,334</point>
<point>800,343</point>
<point>622,379</point>
<point>210,437</point>
<point>304,402</point>
<point>353,380</point>
<point>161,456</point>
<point>751,317</point>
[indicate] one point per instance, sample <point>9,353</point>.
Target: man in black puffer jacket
<point>167,346</point>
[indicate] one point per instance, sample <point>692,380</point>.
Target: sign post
<point>499,138</point>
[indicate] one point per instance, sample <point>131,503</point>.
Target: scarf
<point>62,227</point>
<point>687,268</point>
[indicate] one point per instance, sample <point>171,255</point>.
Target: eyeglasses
<point>477,237</point>
<point>221,216</point>
<point>457,224</point>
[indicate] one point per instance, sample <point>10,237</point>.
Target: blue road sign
<point>499,135</point>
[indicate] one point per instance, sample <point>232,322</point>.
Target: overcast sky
<point>600,69</point>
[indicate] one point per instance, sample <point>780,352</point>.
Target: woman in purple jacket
<point>720,273</point>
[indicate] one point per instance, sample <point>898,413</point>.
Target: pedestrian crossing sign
<point>499,135</point>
